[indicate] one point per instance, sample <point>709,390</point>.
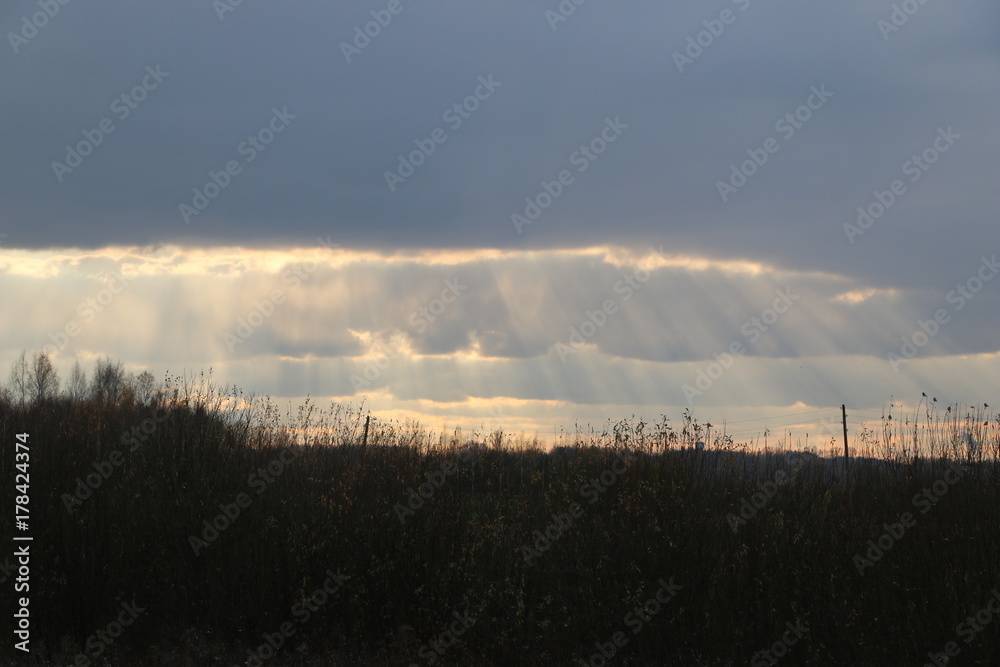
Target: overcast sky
<point>546,214</point>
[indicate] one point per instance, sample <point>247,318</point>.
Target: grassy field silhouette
<point>234,534</point>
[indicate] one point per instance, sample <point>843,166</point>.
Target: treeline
<point>33,380</point>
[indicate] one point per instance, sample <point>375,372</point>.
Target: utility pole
<point>843,410</point>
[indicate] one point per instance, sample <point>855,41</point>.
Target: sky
<point>534,215</point>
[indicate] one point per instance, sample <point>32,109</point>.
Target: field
<point>215,535</point>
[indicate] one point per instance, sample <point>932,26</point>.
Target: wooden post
<point>843,410</point>
<point>364,439</point>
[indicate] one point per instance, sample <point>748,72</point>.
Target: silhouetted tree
<point>17,383</point>
<point>109,381</point>
<point>145,388</point>
<point>76,388</point>
<point>43,380</point>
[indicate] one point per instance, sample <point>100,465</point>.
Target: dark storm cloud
<point>556,90</point>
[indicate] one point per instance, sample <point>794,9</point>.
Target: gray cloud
<point>551,97</point>
<point>557,87</point>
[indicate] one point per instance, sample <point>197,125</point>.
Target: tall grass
<point>334,507</point>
